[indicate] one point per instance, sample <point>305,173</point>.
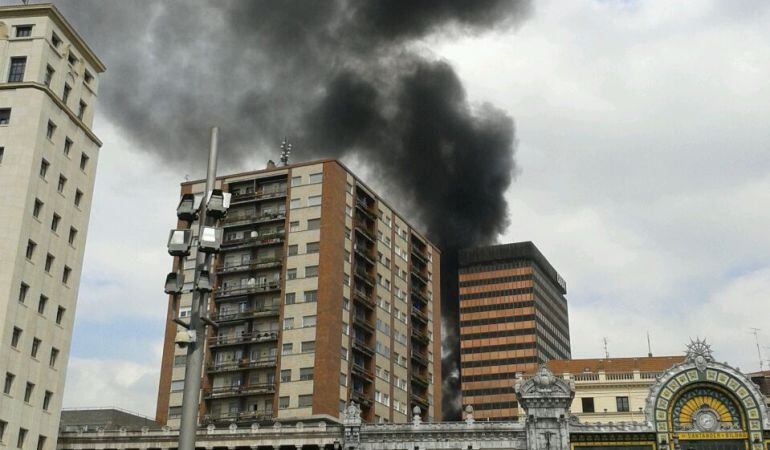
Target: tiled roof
<point>643,364</point>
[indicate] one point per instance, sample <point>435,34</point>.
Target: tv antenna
<point>649,346</point>
<point>755,332</point>
<point>606,352</point>
<point>285,151</point>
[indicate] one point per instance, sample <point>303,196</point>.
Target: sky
<point>643,175</point>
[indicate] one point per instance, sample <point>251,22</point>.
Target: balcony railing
<point>259,336</point>
<point>360,320</point>
<point>419,399</point>
<point>265,239</point>
<point>245,315</point>
<point>257,264</point>
<point>419,336</point>
<point>416,313</point>
<point>361,371</point>
<point>365,232</point>
<point>363,347</point>
<point>420,358</point>
<point>242,389</point>
<point>233,220</point>
<point>237,416</point>
<point>419,296</point>
<point>242,290</point>
<point>364,208</point>
<point>259,195</point>
<point>420,277</point>
<point>420,254</point>
<point>364,298</point>
<point>364,275</point>
<point>419,378</point>
<point>360,398</point>
<point>241,364</point>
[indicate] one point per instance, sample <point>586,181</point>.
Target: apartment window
<point>41,442</point>
<point>288,323</point>
<point>311,296</point>
<point>22,437</point>
<point>285,376</point>
<point>308,321</point>
<point>66,93</point>
<point>290,298</point>
<point>49,258</point>
<point>28,391</point>
<point>50,130</point>
<point>305,401</point>
<point>344,353</point>
<point>9,377</point>
<point>291,274</point>
<point>313,224</point>
<point>37,208</point>
<point>346,279</point>
<point>5,116</point>
<point>622,404</point>
<point>345,304</point>
<point>316,177</point>
<point>71,59</point>
<point>295,203</point>
<point>41,304</point>
<point>78,197</point>
<point>287,349</point>
<point>49,71</point>
<point>16,337</point>
<point>2,152</point>
<point>296,181</point>
<point>55,222</point>
<point>54,355</point>
<point>294,226</point>
<point>73,235</point>
<point>30,249</point>
<point>35,347</point>
<point>82,109</point>
<point>62,183</point>
<point>293,250</point>
<point>23,31</point>
<point>587,404</point>
<point>345,328</point>
<point>83,161</point>
<point>177,385</point>
<point>44,168</point>
<point>313,247</point>
<point>306,374</point>
<point>67,146</point>
<point>16,71</point>
<point>87,77</point>
<point>47,400</point>
<point>23,290</point>
<point>308,346</point>
<point>65,275</point>
<point>311,271</point>
<point>55,40</point>
<point>3,426</point>
<point>60,315</point>
<point>314,200</point>
<point>283,402</point>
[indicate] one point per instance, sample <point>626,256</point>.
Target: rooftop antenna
<point>755,332</point>
<point>649,346</point>
<point>606,352</point>
<point>285,151</point>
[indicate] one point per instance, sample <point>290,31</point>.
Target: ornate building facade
<point>698,404</point>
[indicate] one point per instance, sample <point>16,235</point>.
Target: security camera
<point>185,337</point>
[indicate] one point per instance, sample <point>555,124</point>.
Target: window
<point>66,93</point>
<point>65,275</point>
<point>294,226</point>
<point>9,377</point>
<point>295,203</point>
<point>22,437</point>
<point>50,130</point>
<point>306,374</point>
<point>288,323</point>
<point>83,161</point>
<point>287,349</point>
<point>60,315</point>
<point>346,279</point>
<point>344,353</point>
<point>37,208</point>
<point>5,116</point>
<point>55,222</point>
<point>3,426</point>
<point>47,400</point>
<point>72,236</point>
<point>345,328</point>
<point>305,400</point>
<point>283,402</point>
<point>343,379</point>
<point>44,168</point>
<point>87,77</point>
<point>180,360</point>
<point>348,188</point>
<point>588,404</point>
<point>2,152</point>
<point>345,303</point>
<point>62,183</point>
<point>308,321</point>
<point>55,40</point>
<point>308,346</point>
<point>316,177</point>
<point>49,258</point>
<point>622,403</point>
<point>16,72</point>
<point>296,181</point>
<point>177,385</point>
<point>54,355</point>
<point>313,247</point>
<point>28,391</point>
<point>82,109</point>
<point>35,347</point>
<point>41,304</point>
<point>23,31</point>
<point>31,249</point>
<point>49,71</point>
<point>290,298</point>
<point>41,442</point>
<point>293,249</point>
<point>311,271</point>
<point>313,224</point>
<point>67,146</point>
<point>15,337</point>
<point>314,200</point>
<point>311,296</point>
<point>285,376</point>
<point>78,197</point>
<point>291,274</point>
<point>23,289</point>
<point>71,58</point>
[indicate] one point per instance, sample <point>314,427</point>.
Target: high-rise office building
<point>513,316</point>
<point>324,295</point>
<point>48,155</point>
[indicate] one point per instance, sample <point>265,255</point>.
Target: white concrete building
<point>48,154</point>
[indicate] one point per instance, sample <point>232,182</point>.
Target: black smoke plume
<point>341,78</point>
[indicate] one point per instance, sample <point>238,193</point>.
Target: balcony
<point>420,336</point>
<point>256,196</point>
<point>420,255</point>
<point>235,220</point>
<point>364,298</point>
<point>362,372</point>
<point>420,401</point>
<point>242,364</point>
<point>258,264</point>
<point>252,289</point>
<point>363,207</point>
<point>360,398</point>
<point>239,416</point>
<point>363,252</point>
<point>243,338</point>
<point>366,233</point>
<point>360,320</point>
<point>363,347</point>
<point>417,295</point>
<point>239,390</point>
<point>420,277</point>
<point>245,315</point>
<point>419,315</point>
<point>420,379</point>
<point>257,241</point>
<point>420,358</point>
<point>365,276</point>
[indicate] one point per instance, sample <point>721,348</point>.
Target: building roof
<point>642,364</point>
<point>110,419</point>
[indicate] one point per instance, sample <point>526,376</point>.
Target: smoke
<point>340,78</point>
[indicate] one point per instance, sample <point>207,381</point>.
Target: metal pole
<point>194,364</point>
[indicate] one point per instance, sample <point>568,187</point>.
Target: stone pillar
<point>546,400</point>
